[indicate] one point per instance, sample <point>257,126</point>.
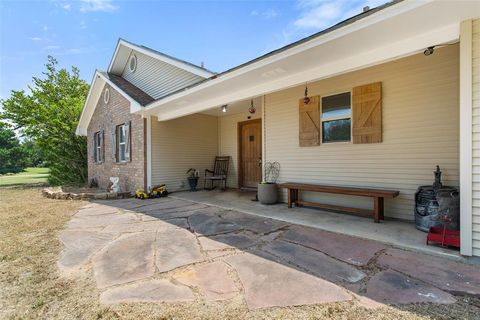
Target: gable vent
<point>132,63</point>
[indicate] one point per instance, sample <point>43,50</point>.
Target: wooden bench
<point>377,194</point>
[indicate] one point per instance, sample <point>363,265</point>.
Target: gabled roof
<point>131,90</point>
<point>137,97</point>
<point>134,95</point>
<point>124,48</point>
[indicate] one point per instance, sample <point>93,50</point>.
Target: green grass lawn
<point>28,176</point>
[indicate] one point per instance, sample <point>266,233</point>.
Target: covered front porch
<point>395,232</point>
<point>410,125</point>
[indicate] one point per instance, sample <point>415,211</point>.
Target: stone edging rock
<point>58,193</point>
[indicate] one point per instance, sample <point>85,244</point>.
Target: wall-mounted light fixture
<point>306,100</point>
<point>224,108</point>
<point>429,51</point>
<point>252,107</point>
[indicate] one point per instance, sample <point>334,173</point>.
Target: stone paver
<point>95,210</point>
<point>254,223</point>
<point>197,247</point>
<point>210,224</point>
<point>270,284</point>
<point>127,204</point>
<point>79,246</point>
<point>176,247</point>
<point>315,262</point>
<point>212,279</point>
<point>353,250</point>
<point>445,274</point>
<point>239,240</point>
<point>209,244</point>
<point>394,288</point>
<point>172,213</point>
<point>129,258</point>
<point>134,227</point>
<point>101,220</point>
<point>181,209</point>
<point>150,291</point>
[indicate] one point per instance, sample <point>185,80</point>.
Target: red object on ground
<point>444,236</point>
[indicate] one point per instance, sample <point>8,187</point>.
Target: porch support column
<point>466,137</point>
<point>149,151</point>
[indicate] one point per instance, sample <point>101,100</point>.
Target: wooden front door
<point>250,153</point>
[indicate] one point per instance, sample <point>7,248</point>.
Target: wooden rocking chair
<point>219,173</point>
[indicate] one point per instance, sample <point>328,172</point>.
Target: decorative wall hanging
<point>252,107</point>
<point>306,99</point>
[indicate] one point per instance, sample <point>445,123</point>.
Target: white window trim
<point>132,58</point>
<point>124,143</point>
<point>326,119</point>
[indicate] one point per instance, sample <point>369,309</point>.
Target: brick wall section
<point>106,117</point>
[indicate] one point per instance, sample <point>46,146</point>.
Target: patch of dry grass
<point>32,289</point>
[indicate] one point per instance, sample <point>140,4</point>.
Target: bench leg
<point>290,195</point>
<point>295,197</point>
<point>378,209</point>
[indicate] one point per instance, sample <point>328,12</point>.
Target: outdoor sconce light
<point>428,51</point>
<point>306,100</point>
<point>224,108</point>
<point>252,107</point>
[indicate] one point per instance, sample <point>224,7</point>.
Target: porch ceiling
<point>235,108</point>
<point>396,31</point>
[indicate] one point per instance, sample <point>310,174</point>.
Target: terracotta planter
<point>267,193</point>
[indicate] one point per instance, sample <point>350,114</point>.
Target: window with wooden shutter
<point>114,145</point>
<point>102,146</point>
<point>98,147</point>
<point>128,156</point>
<point>367,113</point>
<point>92,147</point>
<point>309,126</point>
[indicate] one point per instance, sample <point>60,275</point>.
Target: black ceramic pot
<point>192,182</point>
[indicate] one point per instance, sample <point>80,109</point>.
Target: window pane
<point>121,152</point>
<point>336,106</point>
<point>121,133</point>
<point>336,130</point>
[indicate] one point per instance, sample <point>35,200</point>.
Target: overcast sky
<point>222,34</point>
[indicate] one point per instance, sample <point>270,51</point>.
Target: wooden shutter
<point>309,126</point>
<point>367,113</point>
<point>127,141</point>
<point>102,146</point>
<point>92,148</point>
<point>114,144</point>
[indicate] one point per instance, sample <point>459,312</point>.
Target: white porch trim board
<point>466,173</point>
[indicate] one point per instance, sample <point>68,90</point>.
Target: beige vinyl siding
<point>180,144</point>
<point>476,136</point>
<point>228,141</point>
<point>420,130</point>
<point>158,78</point>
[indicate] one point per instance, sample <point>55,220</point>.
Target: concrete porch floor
<point>398,233</point>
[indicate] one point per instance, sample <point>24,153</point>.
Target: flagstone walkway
<point>171,250</point>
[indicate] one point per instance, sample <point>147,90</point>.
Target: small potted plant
<point>192,179</point>
<point>267,191</point>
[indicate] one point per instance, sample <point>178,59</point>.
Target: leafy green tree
<point>33,152</point>
<point>49,114</point>
<point>13,157</point>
